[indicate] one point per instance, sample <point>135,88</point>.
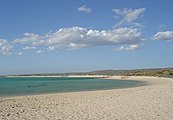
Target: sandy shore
<point>152,102</point>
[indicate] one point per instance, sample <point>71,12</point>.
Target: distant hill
<point>160,72</point>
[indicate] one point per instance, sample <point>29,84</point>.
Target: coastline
<point>148,79</point>
<point>154,101</point>
<point>75,76</point>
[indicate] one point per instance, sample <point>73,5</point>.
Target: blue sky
<point>43,36</point>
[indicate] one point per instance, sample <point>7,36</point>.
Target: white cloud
<point>51,48</point>
<point>73,46</point>
<point>75,38</point>
<point>5,47</point>
<point>29,48</point>
<point>39,51</point>
<point>128,16</point>
<point>84,8</point>
<point>127,48</point>
<point>78,37</point>
<point>29,38</point>
<point>20,53</point>
<point>166,36</point>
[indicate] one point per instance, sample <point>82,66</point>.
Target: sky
<point>57,36</point>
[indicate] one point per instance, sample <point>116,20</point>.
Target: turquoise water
<point>31,86</point>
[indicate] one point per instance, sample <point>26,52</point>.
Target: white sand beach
<point>151,102</point>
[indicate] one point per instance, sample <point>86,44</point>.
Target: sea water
<point>16,86</point>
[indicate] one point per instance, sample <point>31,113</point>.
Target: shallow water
<point>31,86</point>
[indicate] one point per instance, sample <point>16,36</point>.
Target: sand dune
<point>152,102</point>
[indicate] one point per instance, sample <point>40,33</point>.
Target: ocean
<point>18,86</point>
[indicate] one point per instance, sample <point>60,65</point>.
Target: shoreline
<point>58,76</point>
<point>145,83</point>
<point>146,79</point>
<point>153,101</point>
<point>149,79</point>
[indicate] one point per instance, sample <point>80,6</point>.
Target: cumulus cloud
<point>78,37</point>
<point>166,36</point>
<point>20,53</point>
<point>84,8</point>
<point>127,48</point>
<point>128,16</point>
<point>5,47</point>
<point>29,38</point>
<point>39,51</point>
<point>75,38</point>
<point>29,48</point>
